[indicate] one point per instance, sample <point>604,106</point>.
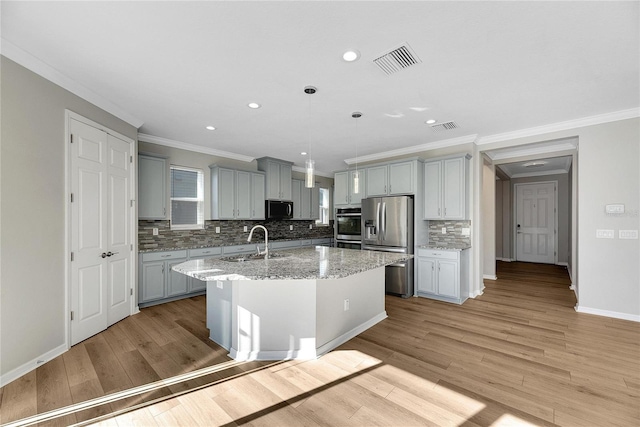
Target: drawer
<point>326,241</point>
<point>308,242</point>
<point>204,252</point>
<point>285,244</point>
<point>438,253</point>
<point>240,249</point>
<point>161,256</point>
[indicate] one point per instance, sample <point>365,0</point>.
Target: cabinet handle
<point>445,211</point>
<point>165,256</point>
<point>438,211</point>
<point>385,188</point>
<point>389,188</point>
<point>164,211</point>
<point>162,268</point>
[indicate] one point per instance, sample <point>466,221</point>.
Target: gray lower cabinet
<point>443,274</point>
<point>157,282</point>
<point>195,285</point>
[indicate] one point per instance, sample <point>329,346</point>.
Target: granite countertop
<point>446,246</point>
<point>232,243</point>
<point>298,264</point>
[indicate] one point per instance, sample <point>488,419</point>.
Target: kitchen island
<point>298,304</point>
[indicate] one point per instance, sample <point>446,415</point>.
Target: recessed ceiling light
<point>253,105</point>
<point>430,121</point>
<point>351,55</point>
<point>211,128</point>
<point>304,153</point>
<point>535,164</point>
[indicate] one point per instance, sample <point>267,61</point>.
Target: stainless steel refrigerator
<point>387,225</point>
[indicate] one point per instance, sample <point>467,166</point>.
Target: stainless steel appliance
<point>387,225</point>
<point>276,209</point>
<point>348,228</point>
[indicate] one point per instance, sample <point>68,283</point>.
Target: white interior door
<point>100,233</point>
<point>536,222</point>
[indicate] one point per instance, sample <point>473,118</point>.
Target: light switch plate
<point>605,234</point>
<point>466,231</point>
<point>627,234</point>
<point>218,230</point>
<point>614,209</point>
<point>245,229</point>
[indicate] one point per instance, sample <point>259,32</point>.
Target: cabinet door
<point>432,190</point>
<point>356,198</point>
<point>226,193</point>
<point>305,203</point>
<point>401,177</point>
<point>152,286</point>
<point>448,280</point>
<point>273,181</point>
<point>177,282</point>
<point>341,188</point>
<point>377,181</point>
<point>453,193</point>
<point>285,182</point>
<point>243,195</point>
<point>257,196</point>
<point>152,190</point>
<point>196,285</point>
<point>314,208</point>
<point>426,275</point>
<point>296,197</point>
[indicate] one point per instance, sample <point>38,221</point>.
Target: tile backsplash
<point>454,232</point>
<point>231,233</point>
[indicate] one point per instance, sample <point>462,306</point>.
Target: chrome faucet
<point>266,240</point>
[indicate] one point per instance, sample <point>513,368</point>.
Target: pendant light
<point>356,175</point>
<point>309,179</point>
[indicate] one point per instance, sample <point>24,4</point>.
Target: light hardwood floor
<point>518,354</point>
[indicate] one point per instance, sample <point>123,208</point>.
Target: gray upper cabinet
<point>236,194</point>
<point>445,188</point>
<point>391,179</point>
<point>278,175</point>
<point>344,193</point>
<point>152,187</point>
<point>306,201</point>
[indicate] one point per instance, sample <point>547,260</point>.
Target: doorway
<point>100,225</point>
<point>535,221</point>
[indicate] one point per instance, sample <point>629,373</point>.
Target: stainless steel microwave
<point>277,209</point>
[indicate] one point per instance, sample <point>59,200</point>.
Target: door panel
<point>535,222</point>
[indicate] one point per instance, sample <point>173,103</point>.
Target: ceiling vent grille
<point>440,127</point>
<point>396,60</point>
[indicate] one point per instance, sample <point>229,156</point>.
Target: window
<point>324,207</point>
<point>187,198</point>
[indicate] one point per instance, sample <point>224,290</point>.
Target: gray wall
<point>32,215</point>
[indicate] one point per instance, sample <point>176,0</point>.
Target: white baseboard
<point>607,313</point>
<point>31,365</point>
<point>565,264</point>
<point>505,259</point>
<point>490,276</point>
<point>476,293</point>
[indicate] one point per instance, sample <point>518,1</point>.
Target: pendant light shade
<point>309,175</point>
<point>356,175</point>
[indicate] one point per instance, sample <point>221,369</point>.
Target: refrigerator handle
<point>384,220</point>
<point>378,219</point>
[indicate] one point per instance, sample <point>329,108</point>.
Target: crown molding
<point>560,126</point>
<point>192,147</point>
<point>413,149</point>
<point>30,62</point>
<point>539,173</point>
<point>567,144</point>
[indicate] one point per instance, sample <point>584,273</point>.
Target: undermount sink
<point>254,257</point>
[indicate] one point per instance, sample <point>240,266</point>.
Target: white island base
<point>292,319</point>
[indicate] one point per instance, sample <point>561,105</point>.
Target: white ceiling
<point>492,67</point>
<point>539,167</point>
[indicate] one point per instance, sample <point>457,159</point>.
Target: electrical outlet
<point>466,231</point>
<point>155,231</point>
<point>346,304</point>
<point>310,226</point>
<point>219,284</point>
<point>444,230</point>
<point>605,234</point>
<point>218,230</point>
<point>291,228</point>
<point>245,229</point>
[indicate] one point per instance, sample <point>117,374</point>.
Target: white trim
<point>351,334</point>
<point>536,149</point>
<point>193,147</point>
<point>414,149</point>
<point>560,126</point>
<point>46,71</point>
<point>539,173</point>
<point>608,313</point>
<point>476,293</point>
<point>32,364</point>
<point>489,277</point>
<point>505,259</point>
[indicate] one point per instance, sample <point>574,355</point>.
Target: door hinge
<point>72,315</point>
<point>132,246</point>
<point>130,291</point>
<point>131,203</point>
<point>71,138</point>
<point>130,159</point>
<point>71,197</point>
<point>71,256</point>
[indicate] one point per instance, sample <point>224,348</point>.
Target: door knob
<point>104,255</point>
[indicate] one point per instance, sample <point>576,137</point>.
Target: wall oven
<point>348,228</point>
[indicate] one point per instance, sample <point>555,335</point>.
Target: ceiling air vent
<point>396,60</point>
<point>440,127</point>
